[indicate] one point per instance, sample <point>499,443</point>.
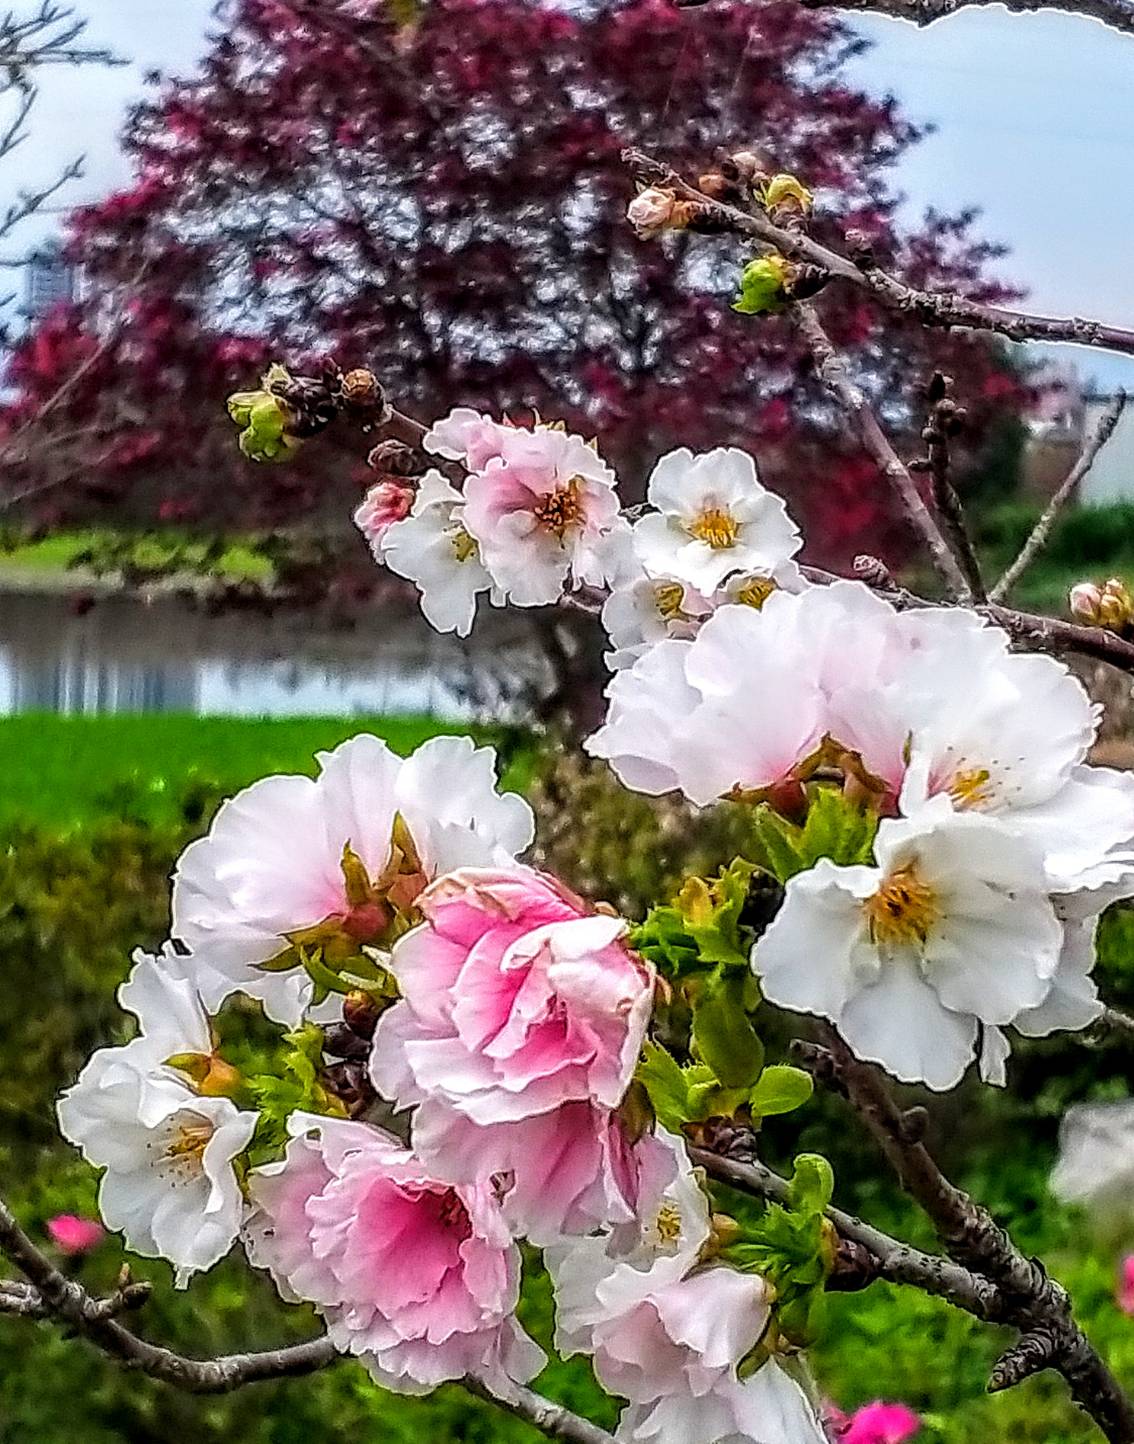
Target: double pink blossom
<point>418,1278</point>
<point>521,1021</point>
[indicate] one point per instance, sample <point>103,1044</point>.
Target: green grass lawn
<point>54,556</point>
<point>68,770</point>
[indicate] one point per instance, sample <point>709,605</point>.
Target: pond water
<point>135,655</point>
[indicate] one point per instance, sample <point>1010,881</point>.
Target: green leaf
<point>762,286</point>
<point>780,1089</point>
<point>723,1031</point>
<point>835,827</point>
<point>665,1082</point>
<point>812,1184</point>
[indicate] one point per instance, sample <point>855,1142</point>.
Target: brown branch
<point>551,1419</point>
<point>878,1255</point>
<point>932,308</point>
<point>836,377</point>
<point>1035,543</point>
<point>1031,1301</point>
<point>946,419</point>
<point>1117,14</point>
<point>50,1295</point>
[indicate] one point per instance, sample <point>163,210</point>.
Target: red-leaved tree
<point>444,200</point>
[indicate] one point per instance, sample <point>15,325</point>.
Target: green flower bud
<point>762,285</point>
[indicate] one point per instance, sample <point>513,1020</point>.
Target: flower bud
<point>651,211</point>
<point>361,1013</point>
<point>1085,601</point>
<point>382,506</point>
<point>363,395</point>
<point>394,458</point>
<point>762,285</point>
<point>784,191</point>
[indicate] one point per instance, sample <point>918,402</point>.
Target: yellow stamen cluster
<point>464,546</point>
<point>668,1223</point>
<point>189,1142</point>
<point>972,787</point>
<point>755,591</point>
<point>668,597</point>
<point>560,509</point>
<point>903,910</point>
<point>715,526</point>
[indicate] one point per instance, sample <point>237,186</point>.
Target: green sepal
<point>762,286</point>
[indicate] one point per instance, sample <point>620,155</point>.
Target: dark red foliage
<point>446,203</point>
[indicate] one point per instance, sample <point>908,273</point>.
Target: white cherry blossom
<point>953,929</point>
<point>433,549</point>
<point>169,1185</point>
<point>544,511</point>
<point>713,518</point>
<point>272,864</point>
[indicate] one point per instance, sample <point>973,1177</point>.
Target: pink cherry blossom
<point>563,1173</point>
<point>881,1423</point>
<point>1124,1294</point>
<point>515,1000</point>
<point>416,1277</point>
<point>466,436</point>
<point>543,510</point>
<point>74,1235</point>
<point>382,506</point>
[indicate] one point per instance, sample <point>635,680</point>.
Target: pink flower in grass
<point>1124,1294</point>
<point>416,1277</point>
<point>381,507</point>
<point>73,1235</point>
<point>881,1423</point>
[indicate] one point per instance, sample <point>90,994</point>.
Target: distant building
<point>50,281</point>
<point>1111,477</point>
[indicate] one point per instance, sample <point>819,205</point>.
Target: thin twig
<point>836,377</point>
<point>888,1258</point>
<point>945,420</point>
<point>1031,1301</point>
<point>1035,543</point>
<point>932,308</point>
<point>551,1419</point>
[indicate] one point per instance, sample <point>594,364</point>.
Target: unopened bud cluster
<point>287,410</point>
<point>1110,606</point>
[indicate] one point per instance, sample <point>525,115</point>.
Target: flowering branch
<point>1036,541</point>
<point>52,1296</point>
<point>932,308</point>
<point>1032,1301</point>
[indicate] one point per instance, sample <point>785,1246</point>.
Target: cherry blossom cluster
<point>499,1021</point>
<point>997,845</point>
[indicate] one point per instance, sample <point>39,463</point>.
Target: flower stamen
<point>464,546</point>
<point>971,788</point>
<point>903,910</point>
<point>561,509</point>
<point>715,526</point>
<point>755,592</point>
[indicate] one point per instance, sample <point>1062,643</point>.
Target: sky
<point>1034,124</point>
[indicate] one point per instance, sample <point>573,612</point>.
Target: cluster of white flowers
<point>538,515</point>
<point>998,846</point>
<point>497,1022</point>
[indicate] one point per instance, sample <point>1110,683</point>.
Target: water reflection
<point>128,655</point>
